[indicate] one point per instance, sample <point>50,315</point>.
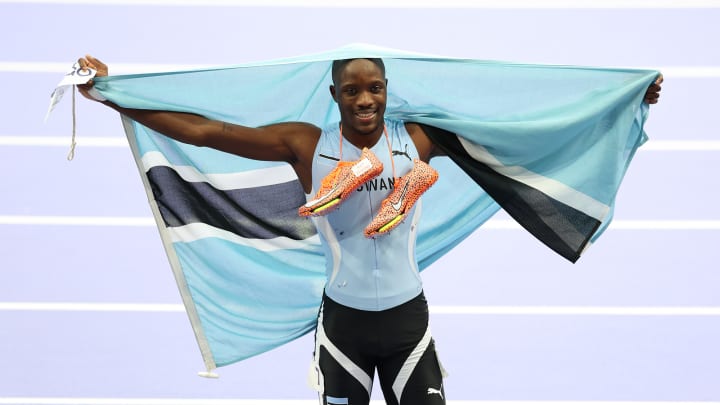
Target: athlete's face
<point>360,91</point>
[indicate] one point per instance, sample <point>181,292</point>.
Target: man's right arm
<point>292,142</point>
<point>278,142</point>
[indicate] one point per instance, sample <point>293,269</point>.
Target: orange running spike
<point>342,181</point>
<point>405,194</point>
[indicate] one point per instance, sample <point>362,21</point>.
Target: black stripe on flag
<point>260,212</point>
<point>561,227</point>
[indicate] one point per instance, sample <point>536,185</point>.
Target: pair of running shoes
<point>348,176</point>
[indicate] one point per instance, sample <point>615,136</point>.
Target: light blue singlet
<point>368,274</point>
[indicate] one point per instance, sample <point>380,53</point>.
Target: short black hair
<point>339,64</point>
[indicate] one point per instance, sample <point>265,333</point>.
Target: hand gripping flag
<point>548,144</point>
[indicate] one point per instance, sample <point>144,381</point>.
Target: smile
<point>365,116</point>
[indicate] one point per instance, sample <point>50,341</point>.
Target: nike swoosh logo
<point>398,205</point>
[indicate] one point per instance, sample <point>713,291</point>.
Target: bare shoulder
<point>300,137</point>
<point>424,145</point>
<point>274,142</point>
<point>295,135</point>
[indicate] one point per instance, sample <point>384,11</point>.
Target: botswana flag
<point>549,144</point>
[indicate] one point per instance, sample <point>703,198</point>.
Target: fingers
<point>98,65</point>
<point>91,62</point>
<point>656,85</point>
<point>85,64</point>
<point>652,95</point>
<point>94,60</point>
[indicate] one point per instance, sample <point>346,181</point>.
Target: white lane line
<point>668,225</point>
<point>59,68</point>
<point>121,142</point>
<point>502,4</point>
<point>166,401</point>
<point>559,310</point>
<point>634,225</point>
<point>215,401</point>
<point>695,72</point>
<point>64,141</point>
<point>680,146</point>
<point>495,224</point>
<point>434,309</point>
<point>76,220</point>
<point>89,307</point>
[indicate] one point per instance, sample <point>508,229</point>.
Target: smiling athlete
<point>363,178</point>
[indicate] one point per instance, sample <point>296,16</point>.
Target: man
<point>373,315</point>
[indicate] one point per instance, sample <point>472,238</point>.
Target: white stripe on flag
<point>196,231</point>
<point>224,181</point>
<point>556,189</point>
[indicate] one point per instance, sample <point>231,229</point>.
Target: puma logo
<point>432,390</point>
<point>401,153</point>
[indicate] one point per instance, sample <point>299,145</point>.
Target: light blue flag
<point>549,144</point>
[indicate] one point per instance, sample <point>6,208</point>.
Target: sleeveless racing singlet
<point>368,274</point>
